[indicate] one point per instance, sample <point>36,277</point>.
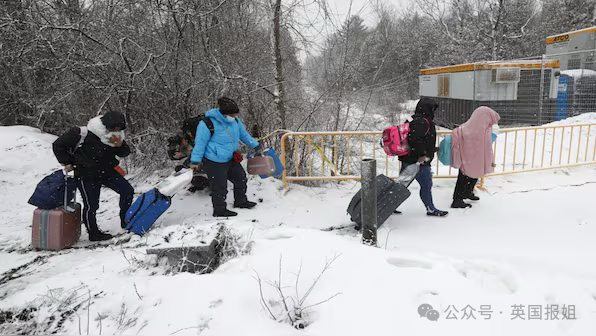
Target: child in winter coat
<point>180,147</point>
<point>422,139</point>
<point>218,154</point>
<point>94,161</point>
<point>472,153</point>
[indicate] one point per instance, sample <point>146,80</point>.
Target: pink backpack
<point>395,139</point>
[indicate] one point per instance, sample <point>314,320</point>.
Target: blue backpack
<point>445,150</point>
<point>49,193</point>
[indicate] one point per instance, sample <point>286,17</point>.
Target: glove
<point>195,165</point>
<point>259,149</point>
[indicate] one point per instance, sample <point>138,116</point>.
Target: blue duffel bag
<point>50,191</point>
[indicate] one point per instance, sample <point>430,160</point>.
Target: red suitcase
<point>57,228</point>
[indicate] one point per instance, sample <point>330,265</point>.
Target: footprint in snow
<point>408,263</point>
<point>488,277</point>
<point>278,236</point>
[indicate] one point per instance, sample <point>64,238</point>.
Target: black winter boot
<point>224,213</point>
<point>473,197</point>
<point>245,205</point>
<point>99,236</point>
<point>460,204</point>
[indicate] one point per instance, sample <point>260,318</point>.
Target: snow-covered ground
<point>528,244</point>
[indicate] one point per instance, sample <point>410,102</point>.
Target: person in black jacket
<point>91,152</point>
<point>422,139</point>
<point>180,146</point>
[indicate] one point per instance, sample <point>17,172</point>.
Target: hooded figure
<point>472,153</point>
<point>96,155</point>
<point>423,135</point>
<point>91,152</point>
<point>422,141</point>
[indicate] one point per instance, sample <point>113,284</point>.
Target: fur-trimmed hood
<point>97,127</point>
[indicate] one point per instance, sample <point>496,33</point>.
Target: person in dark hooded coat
<point>93,159</point>
<point>422,141</point>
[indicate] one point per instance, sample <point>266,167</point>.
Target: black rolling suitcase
<point>390,195</point>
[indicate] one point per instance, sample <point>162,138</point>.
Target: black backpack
<point>189,127</point>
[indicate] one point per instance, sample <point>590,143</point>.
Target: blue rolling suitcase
<point>148,207</point>
<point>145,210</point>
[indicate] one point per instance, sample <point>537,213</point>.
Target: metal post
<point>369,202</point>
<point>473,89</point>
<point>540,111</point>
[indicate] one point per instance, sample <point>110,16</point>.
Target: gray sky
<point>341,10</point>
<point>364,7</point>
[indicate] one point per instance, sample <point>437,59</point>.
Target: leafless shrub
<point>292,308</point>
<point>50,313</point>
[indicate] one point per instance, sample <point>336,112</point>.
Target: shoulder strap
<point>209,124</point>
<point>82,135</point>
<point>428,122</point>
<point>229,135</point>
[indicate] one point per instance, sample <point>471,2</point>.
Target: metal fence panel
<point>319,156</point>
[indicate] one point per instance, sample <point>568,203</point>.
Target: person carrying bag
<point>219,156</point>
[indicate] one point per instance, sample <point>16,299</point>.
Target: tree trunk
<point>496,30</point>
<point>277,62</point>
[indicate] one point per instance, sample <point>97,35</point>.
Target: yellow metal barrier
<point>515,150</point>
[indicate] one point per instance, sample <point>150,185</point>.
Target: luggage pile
<point>57,219</point>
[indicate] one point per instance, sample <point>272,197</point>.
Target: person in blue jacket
<point>216,154</point>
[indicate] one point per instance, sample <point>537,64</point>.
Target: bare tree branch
<point>265,305</point>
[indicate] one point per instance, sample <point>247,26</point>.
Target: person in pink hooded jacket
<point>472,153</point>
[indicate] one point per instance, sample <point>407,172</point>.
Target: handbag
<point>236,156</point>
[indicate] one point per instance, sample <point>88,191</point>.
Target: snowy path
<point>539,230</point>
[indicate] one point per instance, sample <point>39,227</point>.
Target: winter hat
<point>227,106</point>
<point>114,119</point>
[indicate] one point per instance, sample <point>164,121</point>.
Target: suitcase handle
<point>66,192</point>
